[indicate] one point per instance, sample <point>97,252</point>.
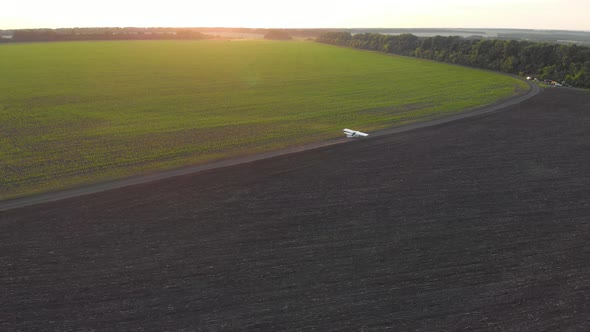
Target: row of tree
<point>274,34</point>
<point>569,63</point>
<point>131,33</point>
<point>36,35</point>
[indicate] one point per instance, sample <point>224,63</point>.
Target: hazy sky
<point>534,14</point>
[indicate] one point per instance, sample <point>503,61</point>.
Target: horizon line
<point>287,28</point>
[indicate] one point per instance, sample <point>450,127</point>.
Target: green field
<point>81,112</point>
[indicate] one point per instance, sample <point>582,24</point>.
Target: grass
<point>81,112</point>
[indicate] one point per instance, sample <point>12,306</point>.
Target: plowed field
<point>482,223</point>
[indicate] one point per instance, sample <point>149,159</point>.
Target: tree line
<point>567,63</point>
<point>40,35</point>
<point>137,33</point>
<point>274,34</point>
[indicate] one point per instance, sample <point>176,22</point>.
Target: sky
<point>525,14</point>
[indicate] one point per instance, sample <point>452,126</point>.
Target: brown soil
<point>481,223</point>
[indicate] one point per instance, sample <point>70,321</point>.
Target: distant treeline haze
<point>129,33</point>
<point>36,35</point>
<point>569,63</point>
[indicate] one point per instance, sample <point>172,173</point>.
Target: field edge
<point>24,200</point>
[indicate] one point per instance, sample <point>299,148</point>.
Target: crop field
<point>83,112</point>
<point>476,225</point>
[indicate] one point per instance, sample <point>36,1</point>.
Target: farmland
<point>82,112</point>
<point>476,225</point>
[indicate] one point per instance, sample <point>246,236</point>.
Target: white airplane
<point>353,133</point>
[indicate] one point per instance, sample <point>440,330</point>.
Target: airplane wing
<point>353,133</point>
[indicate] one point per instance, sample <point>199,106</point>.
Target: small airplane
<point>353,133</point>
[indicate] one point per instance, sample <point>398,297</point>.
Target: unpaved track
<point>98,187</point>
<point>477,224</point>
